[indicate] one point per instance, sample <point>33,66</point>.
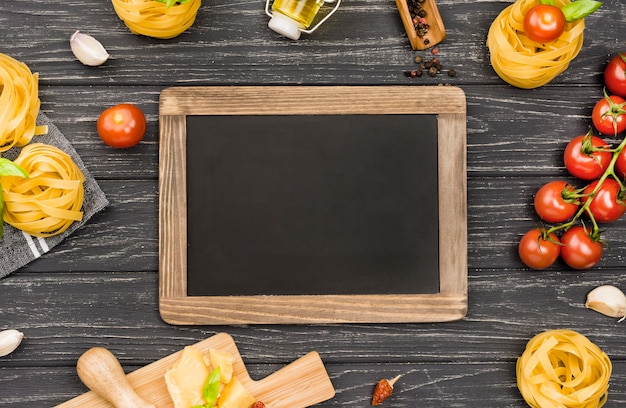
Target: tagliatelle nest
<point>19,99</point>
<point>50,199</point>
<point>525,63</point>
<point>154,19</point>
<point>562,368</point>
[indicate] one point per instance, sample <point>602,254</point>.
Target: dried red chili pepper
<point>383,390</point>
<point>258,404</point>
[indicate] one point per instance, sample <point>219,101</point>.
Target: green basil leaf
<point>8,168</point>
<point>1,214</point>
<point>211,388</point>
<point>579,9</point>
<point>170,3</point>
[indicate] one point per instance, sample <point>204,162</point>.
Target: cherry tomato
<point>537,250</point>
<point>552,203</point>
<point>579,250</point>
<point>122,125</point>
<point>544,23</point>
<point>609,115</point>
<point>615,75</point>
<point>587,157</point>
<point>607,205</point>
<point>620,165</point>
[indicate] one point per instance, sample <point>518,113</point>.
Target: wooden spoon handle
<point>100,371</point>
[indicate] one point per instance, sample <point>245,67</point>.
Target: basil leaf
<point>1,214</point>
<point>170,3</point>
<point>579,9</point>
<point>8,168</point>
<point>211,388</point>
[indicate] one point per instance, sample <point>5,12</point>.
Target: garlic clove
<point>608,300</point>
<point>9,341</point>
<point>88,50</point>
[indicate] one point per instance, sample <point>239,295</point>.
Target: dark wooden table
<point>99,287</point>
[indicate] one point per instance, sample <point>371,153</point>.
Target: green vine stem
<point>584,208</point>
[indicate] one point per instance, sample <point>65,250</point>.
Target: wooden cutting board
<point>302,383</point>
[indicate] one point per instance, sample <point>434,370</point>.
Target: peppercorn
<point>419,59</point>
<point>432,71</point>
<point>452,73</point>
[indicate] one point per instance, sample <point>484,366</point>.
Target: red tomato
<point>552,203</point>
<point>609,115</point>
<point>580,250</point>
<point>607,205</point>
<point>586,157</point>
<point>544,23</point>
<point>620,165</point>
<point>122,125</point>
<point>537,250</point>
<point>615,75</point>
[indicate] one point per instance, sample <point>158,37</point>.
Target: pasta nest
<point>562,368</point>
<point>19,104</point>
<point>525,63</point>
<point>50,199</point>
<point>154,19</point>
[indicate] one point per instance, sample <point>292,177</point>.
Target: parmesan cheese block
<point>186,379</point>
<point>225,363</point>
<point>235,395</point>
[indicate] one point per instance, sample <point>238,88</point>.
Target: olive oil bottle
<point>302,11</point>
<point>290,17</point>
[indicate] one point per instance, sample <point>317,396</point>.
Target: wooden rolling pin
<point>102,373</point>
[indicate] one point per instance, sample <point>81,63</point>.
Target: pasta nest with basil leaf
<point>563,368</point>
<point>50,199</point>
<point>157,18</point>
<point>525,63</point>
<point>19,104</point>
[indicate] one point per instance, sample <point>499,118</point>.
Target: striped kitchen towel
<point>18,248</point>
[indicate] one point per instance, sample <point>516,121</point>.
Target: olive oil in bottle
<point>290,17</point>
<point>302,11</point>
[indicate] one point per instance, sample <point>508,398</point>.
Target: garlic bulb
<point>88,50</point>
<point>9,340</point>
<point>607,300</point>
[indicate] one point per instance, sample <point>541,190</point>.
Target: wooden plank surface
<point>100,288</point>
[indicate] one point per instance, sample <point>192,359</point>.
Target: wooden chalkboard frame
<point>447,102</point>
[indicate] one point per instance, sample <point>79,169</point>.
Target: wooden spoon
<point>102,373</point>
<point>436,30</point>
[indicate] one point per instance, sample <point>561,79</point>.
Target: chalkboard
<point>312,205</point>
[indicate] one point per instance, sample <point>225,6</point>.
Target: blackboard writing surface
<point>303,204</point>
<point>312,204</point>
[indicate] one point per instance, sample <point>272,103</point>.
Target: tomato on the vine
<point>609,115</point>
<point>555,201</point>
<point>539,250</point>
<point>620,165</point>
<point>579,249</point>
<point>122,125</point>
<point>608,203</point>
<point>587,157</point>
<point>615,75</point>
